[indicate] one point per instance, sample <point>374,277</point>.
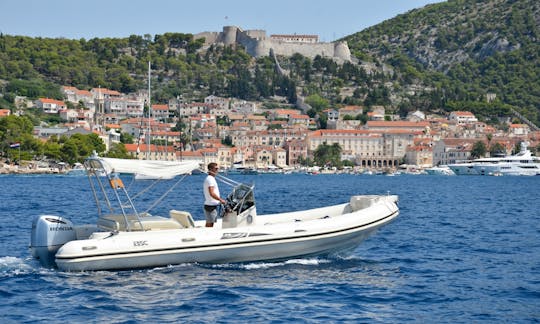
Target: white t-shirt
<point>210,182</point>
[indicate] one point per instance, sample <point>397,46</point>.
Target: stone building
<point>452,150</point>
<point>258,44</point>
<point>369,149</point>
<point>296,150</point>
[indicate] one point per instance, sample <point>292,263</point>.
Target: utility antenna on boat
<point>227,181</point>
<point>149,113</point>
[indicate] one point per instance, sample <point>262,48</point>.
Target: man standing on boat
<point>212,199</point>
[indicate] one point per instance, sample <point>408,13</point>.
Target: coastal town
<point>240,134</point>
<point>289,161</point>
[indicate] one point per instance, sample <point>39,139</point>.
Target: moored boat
<point>439,170</point>
<point>468,167</point>
<point>522,163</point>
<point>77,170</point>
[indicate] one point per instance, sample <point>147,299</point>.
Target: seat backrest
<point>182,217</point>
<point>363,201</point>
<point>108,224</point>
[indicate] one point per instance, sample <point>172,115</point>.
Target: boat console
<point>240,207</point>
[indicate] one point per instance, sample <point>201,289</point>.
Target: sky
<point>75,19</point>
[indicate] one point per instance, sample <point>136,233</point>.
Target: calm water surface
<point>464,249</point>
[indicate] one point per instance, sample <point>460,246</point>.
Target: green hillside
<point>462,50</point>
<point>442,57</point>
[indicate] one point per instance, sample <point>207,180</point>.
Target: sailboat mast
<point>149,113</point>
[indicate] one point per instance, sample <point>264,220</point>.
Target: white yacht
<point>472,167</point>
<point>439,170</point>
<point>523,163</point>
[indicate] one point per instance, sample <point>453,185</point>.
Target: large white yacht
<point>471,167</point>
<point>522,163</point>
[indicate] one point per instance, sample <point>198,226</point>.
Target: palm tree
<point>328,155</point>
<point>479,149</point>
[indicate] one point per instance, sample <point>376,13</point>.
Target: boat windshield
<point>241,198</point>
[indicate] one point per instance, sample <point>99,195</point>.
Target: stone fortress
<point>258,44</point>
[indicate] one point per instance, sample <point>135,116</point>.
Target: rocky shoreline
<point>31,168</point>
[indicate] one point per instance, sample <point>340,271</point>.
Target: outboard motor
<point>49,233</point>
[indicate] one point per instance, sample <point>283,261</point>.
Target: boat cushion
<point>361,202</point>
<point>152,223</point>
<point>182,217</point>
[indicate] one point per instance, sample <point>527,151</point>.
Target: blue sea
<point>464,249</point>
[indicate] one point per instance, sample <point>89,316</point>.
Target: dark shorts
<point>211,213</point>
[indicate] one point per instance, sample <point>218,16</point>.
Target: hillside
<point>442,57</point>
<point>463,49</point>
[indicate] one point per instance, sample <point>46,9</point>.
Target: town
<point>241,134</point>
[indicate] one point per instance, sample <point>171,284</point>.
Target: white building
<point>50,106</point>
<point>462,117</point>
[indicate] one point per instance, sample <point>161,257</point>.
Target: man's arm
<point>213,194</point>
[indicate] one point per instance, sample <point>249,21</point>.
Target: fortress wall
<point>252,45</point>
<point>308,50</point>
<point>210,37</point>
<point>256,33</point>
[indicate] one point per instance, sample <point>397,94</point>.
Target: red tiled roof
<point>160,107</point>
<point>294,35</point>
<point>144,148</point>
<point>463,113</point>
<point>322,132</point>
<point>383,123</point>
<point>51,101</point>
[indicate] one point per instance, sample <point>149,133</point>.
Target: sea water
<point>464,249</point>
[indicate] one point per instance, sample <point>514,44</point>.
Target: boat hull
<point>439,171</point>
<point>132,250</point>
<point>463,169</point>
<point>512,169</point>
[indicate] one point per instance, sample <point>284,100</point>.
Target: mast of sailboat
<point>149,114</point>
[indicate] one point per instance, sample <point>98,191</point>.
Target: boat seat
<point>182,217</point>
<point>154,223</point>
<point>361,202</point>
<point>149,223</point>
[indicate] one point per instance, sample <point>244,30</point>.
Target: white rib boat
<point>125,239</point>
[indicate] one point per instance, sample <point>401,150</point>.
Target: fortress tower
<point>342,51</point>
<point>228,36</point>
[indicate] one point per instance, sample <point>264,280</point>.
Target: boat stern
<point>49,233</point>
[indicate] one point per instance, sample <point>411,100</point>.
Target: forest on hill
<point>443,57</point>
<point>463,50</point>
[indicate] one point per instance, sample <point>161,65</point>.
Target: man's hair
<point>212,165</point>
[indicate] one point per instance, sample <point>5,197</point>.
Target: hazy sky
<point>74,19</point>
